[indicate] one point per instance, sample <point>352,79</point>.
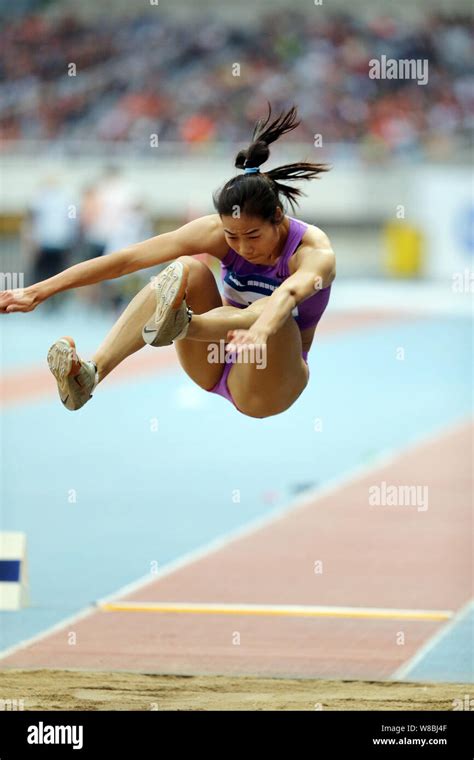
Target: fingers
<point>236,334</point>
<point>8,308</point>
<point>238,339</point>
<point>13,301</point>
<point>6,300</point>
<point>234,337</point>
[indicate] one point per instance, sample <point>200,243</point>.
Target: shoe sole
<point>150,326</point>
<point>63,363</point>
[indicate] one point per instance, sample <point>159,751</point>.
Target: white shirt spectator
<point>53,223</point>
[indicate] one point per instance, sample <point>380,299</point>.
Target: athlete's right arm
<point>203,235</point>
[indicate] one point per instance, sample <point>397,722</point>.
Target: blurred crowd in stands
<point>156,75</point>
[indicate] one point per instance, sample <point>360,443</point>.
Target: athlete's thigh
<point>273,381</point>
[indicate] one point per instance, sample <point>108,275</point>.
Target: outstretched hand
<point>20,299</point>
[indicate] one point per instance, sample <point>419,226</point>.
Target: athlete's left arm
<point>315,269</point>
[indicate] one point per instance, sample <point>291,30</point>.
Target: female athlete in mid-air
<point>276,271</point>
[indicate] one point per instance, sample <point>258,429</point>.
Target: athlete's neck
<point>283,231</point>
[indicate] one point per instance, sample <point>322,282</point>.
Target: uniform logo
<point>246,289</point>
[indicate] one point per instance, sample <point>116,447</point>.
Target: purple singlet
<point>244,282</point>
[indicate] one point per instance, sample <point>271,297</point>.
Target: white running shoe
<point>172,316</point>
<point>76,379</point>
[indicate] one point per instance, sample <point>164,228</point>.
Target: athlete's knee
<point>202,293</point>
<point>197,268</point>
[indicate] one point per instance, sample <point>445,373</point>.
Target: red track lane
<point>373,556</point>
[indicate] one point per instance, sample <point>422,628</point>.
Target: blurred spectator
<point>49,233</point>
<point>105,206</point>
<point>112,217</point>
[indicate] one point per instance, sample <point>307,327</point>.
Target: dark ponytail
<point>259,194</point>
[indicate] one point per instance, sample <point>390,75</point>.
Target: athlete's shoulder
<point>217,245</point>
<point>314,251</point>
<point>315,237</point>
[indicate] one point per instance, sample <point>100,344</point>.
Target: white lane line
<point>403,671</point>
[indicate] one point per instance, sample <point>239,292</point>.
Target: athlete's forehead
<point>243,225</point>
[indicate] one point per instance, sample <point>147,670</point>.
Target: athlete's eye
<point>233,237</point>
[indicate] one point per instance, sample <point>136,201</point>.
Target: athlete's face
<point>252,237</point>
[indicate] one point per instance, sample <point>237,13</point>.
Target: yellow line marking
<point>288,610</point>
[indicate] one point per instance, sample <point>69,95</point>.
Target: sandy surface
<point>85,690</point>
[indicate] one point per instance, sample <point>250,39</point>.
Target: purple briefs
<point>221,387</point>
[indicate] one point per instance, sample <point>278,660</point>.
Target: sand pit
<point>94,690</point>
